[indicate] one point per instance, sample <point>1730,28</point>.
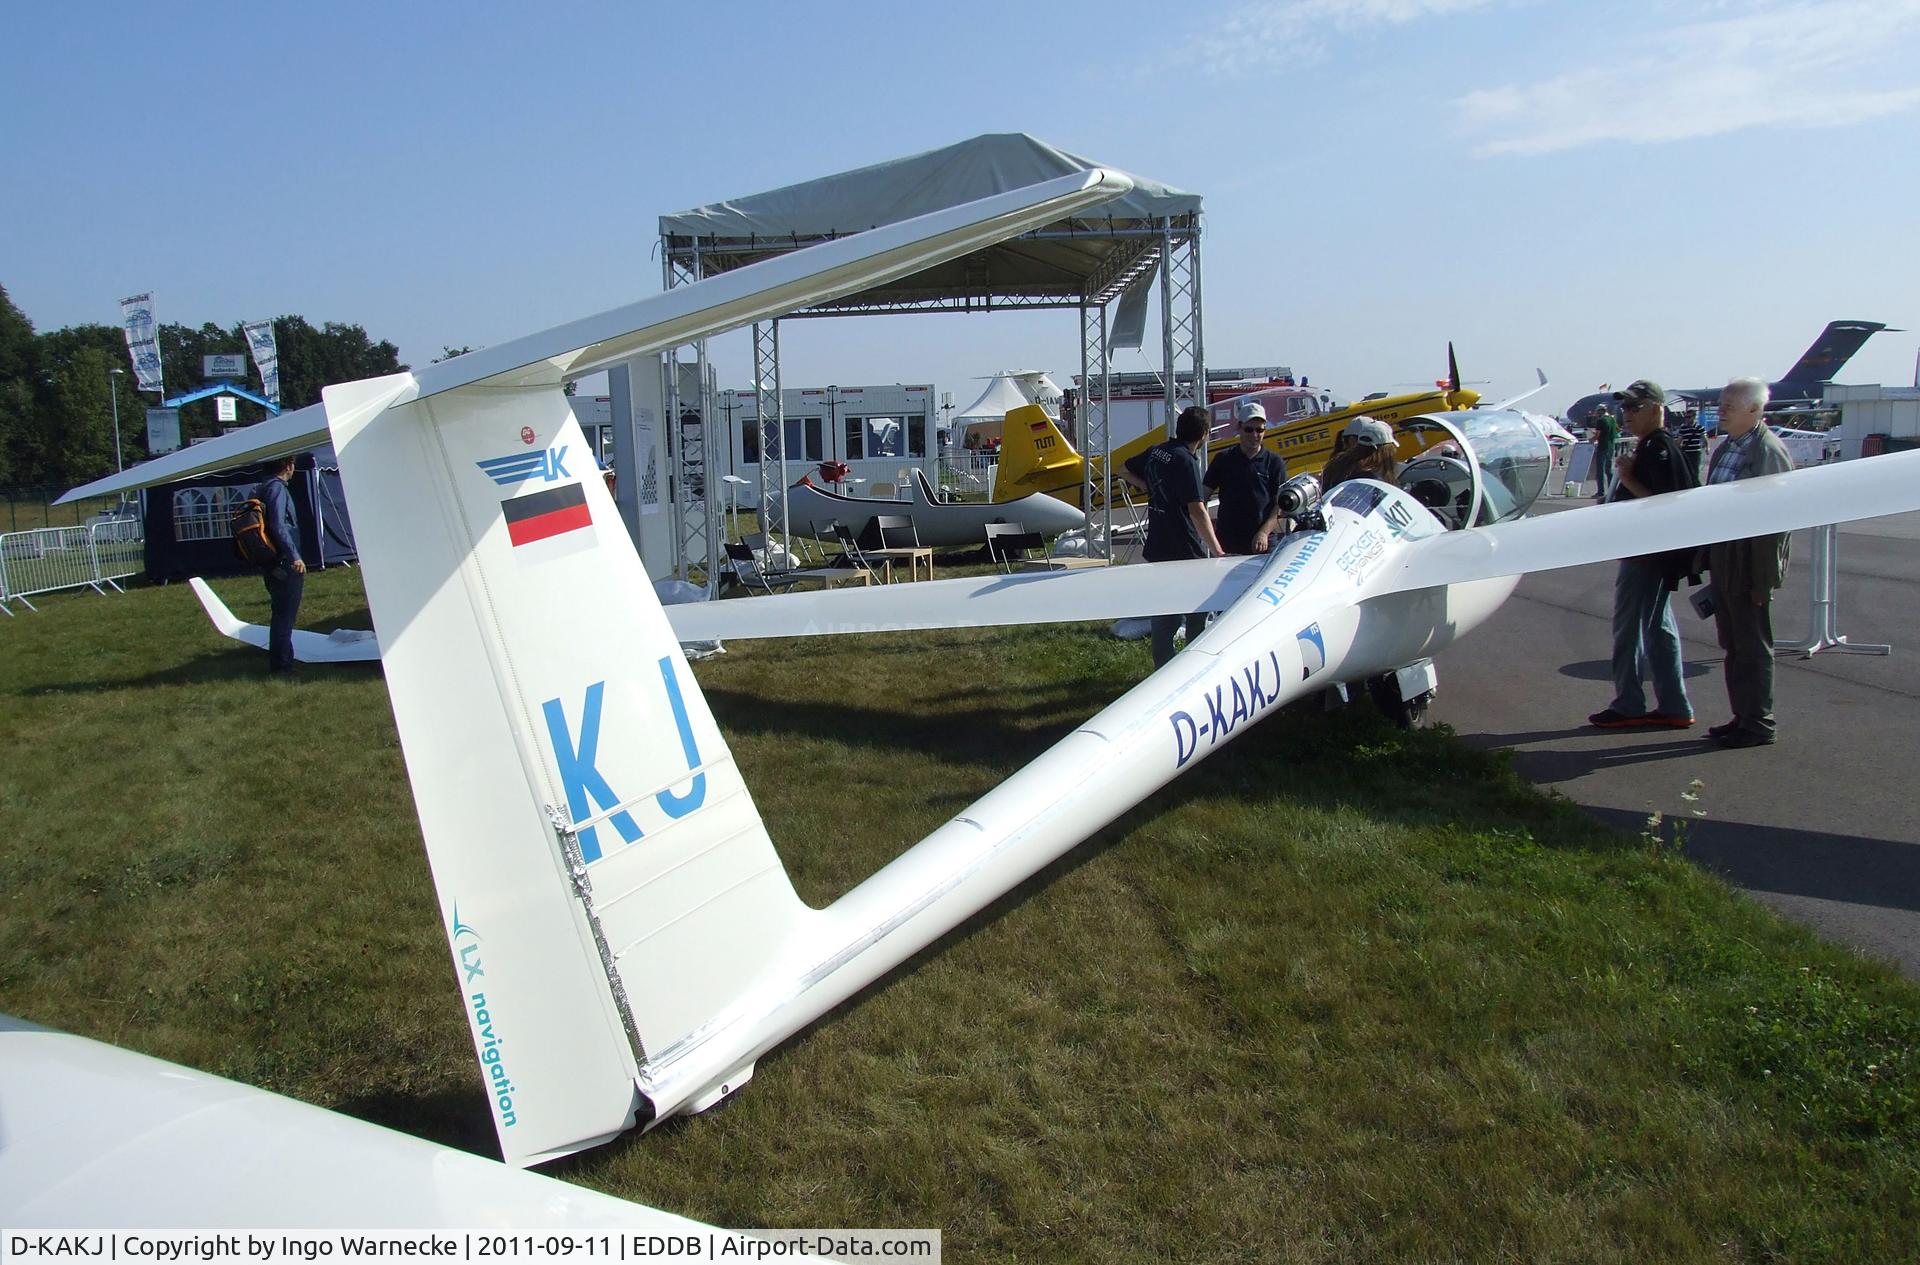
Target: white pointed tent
<point>1000,398</point>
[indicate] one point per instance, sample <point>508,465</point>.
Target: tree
<point>70,439</point>
<point>57,390</point>
<point>314,358</point>
<point>19,359</point>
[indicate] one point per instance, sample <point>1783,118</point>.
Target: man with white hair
<point>1746,572</point>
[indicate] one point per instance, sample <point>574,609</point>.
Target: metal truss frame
<point>1170,245</point>
<point>1091,434</point>
<point>1180,340</point>
<point>770,411</point>
<point>695,509</point>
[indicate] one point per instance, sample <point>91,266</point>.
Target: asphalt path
<point>1821,826</point>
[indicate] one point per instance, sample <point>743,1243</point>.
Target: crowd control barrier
<point>1823,616</point>
<point>48,559</point>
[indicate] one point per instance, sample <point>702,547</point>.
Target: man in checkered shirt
<point>1746,572</point>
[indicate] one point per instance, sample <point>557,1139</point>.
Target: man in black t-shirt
<point>1247,477</point>
<point>1177,522</point>
<point>1645,639</point>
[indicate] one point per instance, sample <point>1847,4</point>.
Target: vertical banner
<point>143,341</point>
<point>266,355</point>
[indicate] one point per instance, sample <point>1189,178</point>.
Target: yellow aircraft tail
<point>1035,457</point>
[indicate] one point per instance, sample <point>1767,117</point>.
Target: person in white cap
<point>1247,478</point>
<point>1373,454</point>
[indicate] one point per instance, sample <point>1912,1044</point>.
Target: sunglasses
<point>1253,430</point>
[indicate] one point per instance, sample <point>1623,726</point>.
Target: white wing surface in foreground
<point>98,1137</point>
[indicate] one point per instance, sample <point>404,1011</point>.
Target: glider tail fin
<point>1035,457</point>
<point>224,620</point>
<point>1831,351</point>
<point>606,884</point>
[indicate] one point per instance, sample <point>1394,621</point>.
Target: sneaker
<point>1744,738</point>
<point>1610,719</point>
<point>1665,721</point>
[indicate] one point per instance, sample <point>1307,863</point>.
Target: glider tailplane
<point>606,884</point>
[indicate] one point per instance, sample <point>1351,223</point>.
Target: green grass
<point>1339,993</point>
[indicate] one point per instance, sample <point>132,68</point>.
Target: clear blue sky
<point>1681,189</point>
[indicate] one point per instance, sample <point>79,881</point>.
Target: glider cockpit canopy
<point>1491,466</point>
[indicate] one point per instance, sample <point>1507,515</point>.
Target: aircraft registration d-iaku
<point>624,940</point>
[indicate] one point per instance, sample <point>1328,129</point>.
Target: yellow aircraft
<point>1036,457</point>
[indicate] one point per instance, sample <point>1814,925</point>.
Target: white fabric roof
<point>1057,265</point>
<point>1000,397</point>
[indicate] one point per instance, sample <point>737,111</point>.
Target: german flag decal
<point>543,515</point>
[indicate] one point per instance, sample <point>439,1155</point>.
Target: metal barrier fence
<point>49,559</point>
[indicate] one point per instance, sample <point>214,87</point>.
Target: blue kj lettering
<point>680,805</point>
<point>578,774</point>
<point>587,786</point>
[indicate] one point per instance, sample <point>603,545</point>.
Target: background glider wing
<point>773,287</point>
<point>1163,588</point>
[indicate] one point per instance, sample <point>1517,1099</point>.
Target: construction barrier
<point>48,559</point>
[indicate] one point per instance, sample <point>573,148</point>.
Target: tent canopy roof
<point>1092,255</point>
<point>1000,398</point>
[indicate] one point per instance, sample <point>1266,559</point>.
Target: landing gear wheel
<point>1406,713</point>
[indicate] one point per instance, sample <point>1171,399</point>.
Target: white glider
<point>625,939</point>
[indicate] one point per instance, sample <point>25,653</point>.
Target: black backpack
<point>250,539</point>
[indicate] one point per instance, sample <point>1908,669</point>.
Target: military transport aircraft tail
<point>1830,352</point>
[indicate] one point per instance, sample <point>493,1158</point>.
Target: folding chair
<point>1010,543</point>
<point>851,555</point>
<point>747,570</point>
<point>896,545</point>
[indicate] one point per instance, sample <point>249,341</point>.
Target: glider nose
<point>1053,516</point>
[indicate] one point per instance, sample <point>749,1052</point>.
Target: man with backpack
<point>286,574</point>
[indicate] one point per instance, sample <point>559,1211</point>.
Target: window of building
<point>803,436</point>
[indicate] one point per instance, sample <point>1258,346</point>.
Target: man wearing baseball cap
<point>1645,638</point>
<point>1247,478</point>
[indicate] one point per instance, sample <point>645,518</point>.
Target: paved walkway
<point>1824,826</point>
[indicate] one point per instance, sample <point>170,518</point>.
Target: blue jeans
<point>1164,628</point>
<point>284,586</point>
<point>1645,641</point>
